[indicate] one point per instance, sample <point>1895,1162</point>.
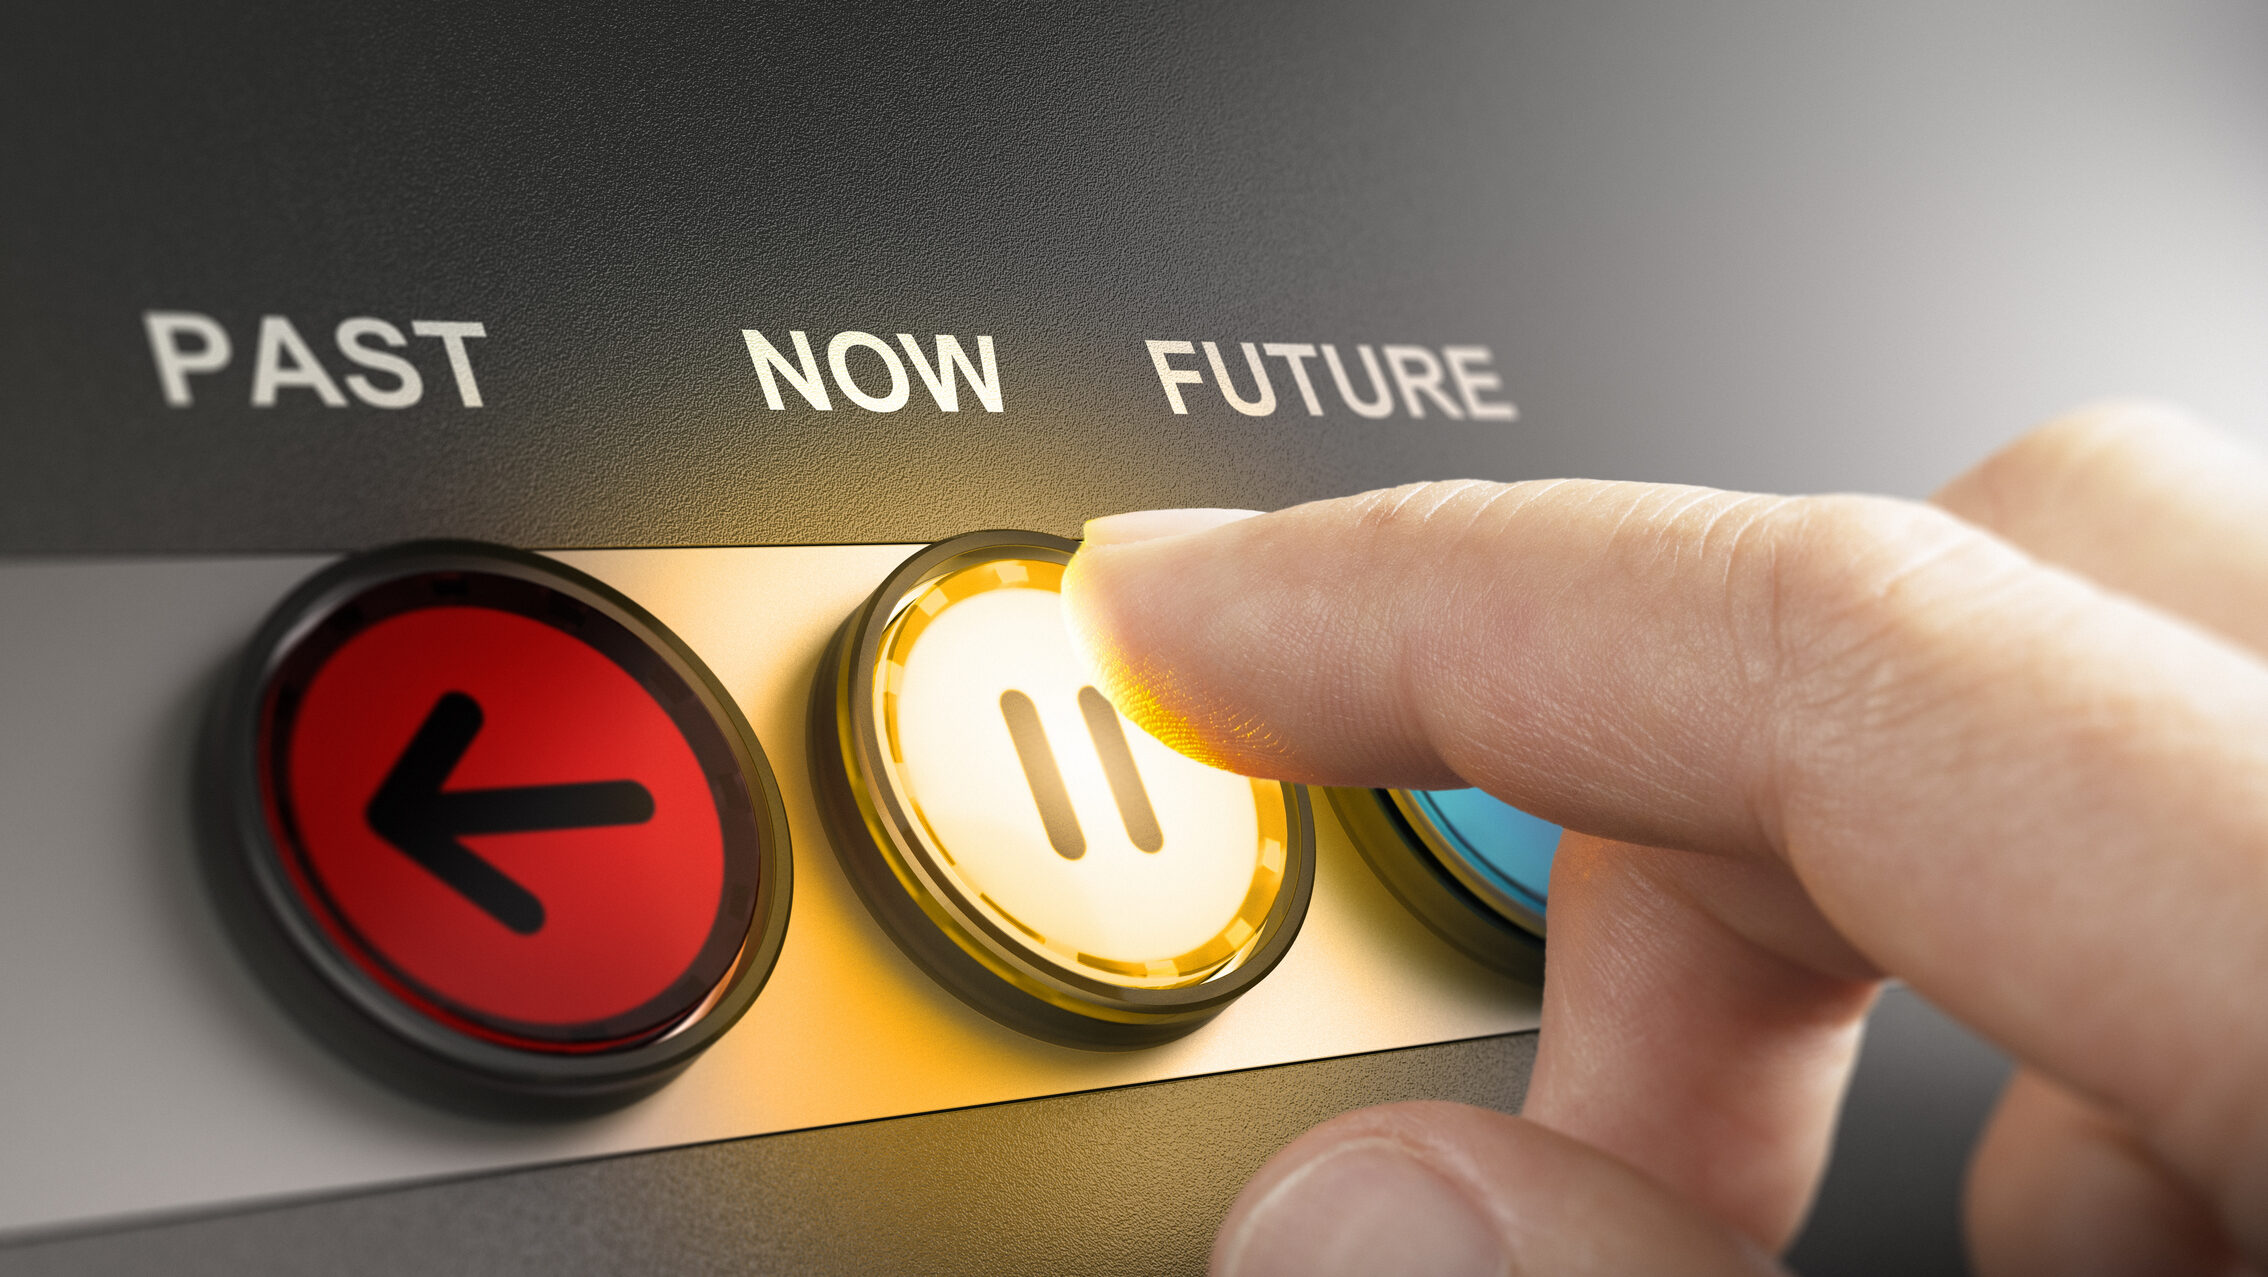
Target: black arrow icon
<point>423,820</point>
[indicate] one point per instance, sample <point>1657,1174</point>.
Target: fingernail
<point>1364,1207</point>
<point>1153,525</point>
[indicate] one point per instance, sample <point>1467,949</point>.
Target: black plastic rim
<point>331,992</point>
<point>1401,860</point>
<point>983,965</point>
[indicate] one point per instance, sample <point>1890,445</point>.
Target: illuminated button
<point>1473,867</point>
<point>1046,860</point>
<point>491,829</point>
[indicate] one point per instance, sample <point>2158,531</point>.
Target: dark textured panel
<point>1127,1181</point>
<point>1747,243</point>
<point>616,193</point>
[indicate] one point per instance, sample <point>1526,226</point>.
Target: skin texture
<point>1800,744</point>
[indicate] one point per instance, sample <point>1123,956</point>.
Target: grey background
<point>1755,244</point>
<point>1891,1200</point>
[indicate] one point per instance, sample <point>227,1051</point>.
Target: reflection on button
<point>1046,860</point>
<point>1473,867</point>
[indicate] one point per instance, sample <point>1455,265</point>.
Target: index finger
<point>2045,806</point>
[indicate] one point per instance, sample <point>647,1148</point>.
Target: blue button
<point>1505,847</point>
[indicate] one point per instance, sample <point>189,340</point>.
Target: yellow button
<point>1042,857</point>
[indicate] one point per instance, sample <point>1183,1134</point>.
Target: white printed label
<point>185,344</point>
<point>1457,383</point>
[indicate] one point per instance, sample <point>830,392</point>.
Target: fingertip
<point>1274,645</point>
<point>1156,525</point>
<point>1134,597</point>
<point>2057,1185</point>
<point>1437,1187</point>
<point>1360,1205</point>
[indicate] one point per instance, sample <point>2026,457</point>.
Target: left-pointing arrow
<point>425,822</point>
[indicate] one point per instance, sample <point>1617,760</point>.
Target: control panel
<point>546,856</point>
<point>536,727</point>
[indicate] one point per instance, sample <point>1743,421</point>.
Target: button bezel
<point>386,1030</point>
<point>1408,855</point>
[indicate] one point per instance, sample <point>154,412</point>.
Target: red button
<point>510,803</point>
<point>625,903</point>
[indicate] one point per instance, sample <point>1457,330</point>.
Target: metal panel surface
<point>1127,1181</point>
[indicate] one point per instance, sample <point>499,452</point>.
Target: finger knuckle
<point>1840,602</point>
<point>2040,472</point>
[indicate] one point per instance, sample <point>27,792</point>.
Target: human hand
<point>2011,747</point>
